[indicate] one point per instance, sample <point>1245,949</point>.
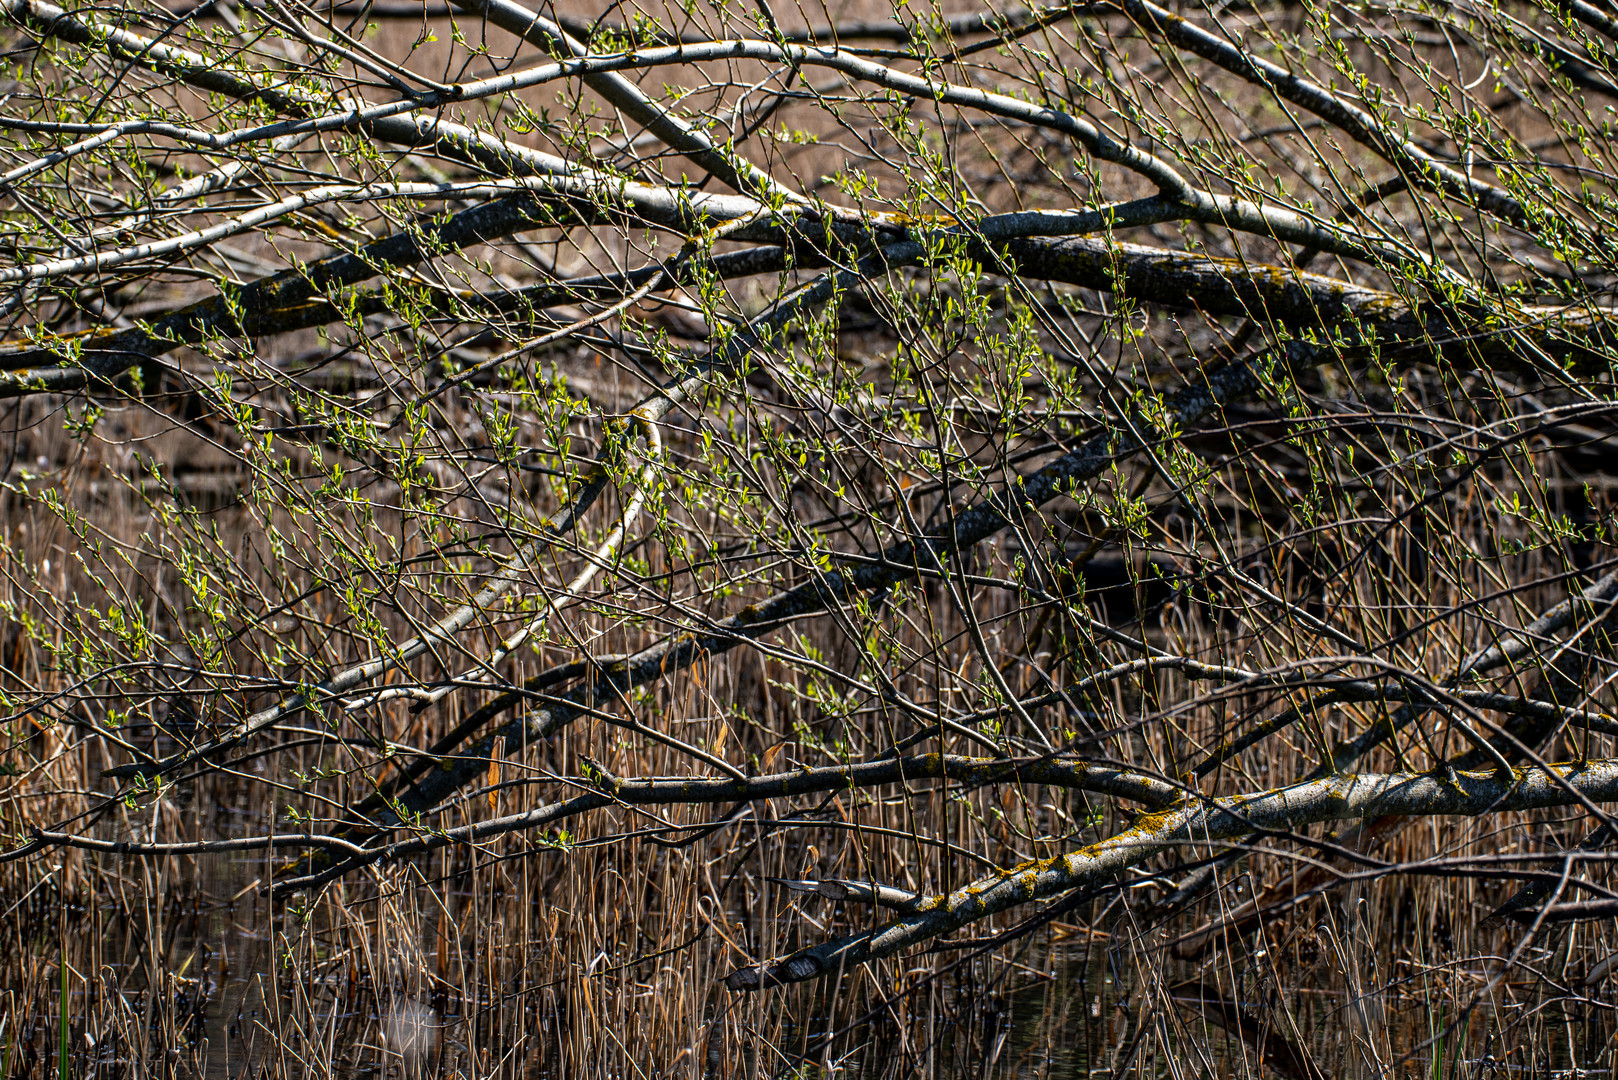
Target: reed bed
<point>1339,455</point>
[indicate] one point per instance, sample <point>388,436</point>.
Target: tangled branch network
<point>952,464</point>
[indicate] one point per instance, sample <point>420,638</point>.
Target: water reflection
<point>412,1032</point>
<point>239,991</point>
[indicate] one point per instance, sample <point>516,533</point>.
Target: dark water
<point>1062,1007</point>
<point>232,1010</point>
